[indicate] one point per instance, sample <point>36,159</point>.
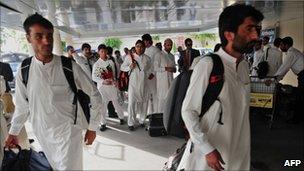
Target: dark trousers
<point>300,98</point>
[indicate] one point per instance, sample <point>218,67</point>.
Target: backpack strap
<point>216,81</point>
<point>68,73</point>
<point>115,67</point>
<point>267,53</point>
<point>25,68</point>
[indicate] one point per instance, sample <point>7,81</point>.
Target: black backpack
<point>263,67</point>
<point>83,98</point>
<point>175,125</point>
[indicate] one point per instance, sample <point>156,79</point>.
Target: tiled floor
<point>119,149</point>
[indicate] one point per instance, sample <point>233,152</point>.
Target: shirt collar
<point>225,56</point>
<point>290,49</point>
<point>40,63</point>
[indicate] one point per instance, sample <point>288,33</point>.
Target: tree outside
<point>13,41</point>
<point>115,43</point>
<point>205,38</point>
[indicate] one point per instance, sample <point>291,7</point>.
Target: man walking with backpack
<point>46,96</point>
<point>220,139</point>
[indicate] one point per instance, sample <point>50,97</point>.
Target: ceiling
<point>100,18</point>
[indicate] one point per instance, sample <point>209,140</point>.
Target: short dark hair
<point>85,45</point>
<point>233,16</point>
<point>147,37</point>
<point>287,41</point>
<point>69,47</point>
<point>188,40</point>
<point>217,47</point>
<point>117,51</point>
<point>110,50</point>
<point>102,46</point>
<point>36,19</point>
<point>277,42</point>
<point>140,41</point>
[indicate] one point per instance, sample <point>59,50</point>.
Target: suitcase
<point>156,126</point>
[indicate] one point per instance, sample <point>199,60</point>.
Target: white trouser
<point>153,103</point>
<point>117,107</point>
<point>161,105</point>
<point>141,109</point>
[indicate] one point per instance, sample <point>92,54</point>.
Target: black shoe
<point>103,128</point>
<point>142,125</point>
<point>31,141</point>
<point>122,121</point>
<point>131,128</point>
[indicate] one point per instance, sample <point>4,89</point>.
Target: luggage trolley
<point>263,96</point>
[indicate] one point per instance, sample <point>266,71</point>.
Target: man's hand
<point>151,76</point>
<point>268,82</point>
<point>214,160</point>
<point>11,141</point>
<point>89,137</point>
<point>133,65</point>
<point>170,69</point>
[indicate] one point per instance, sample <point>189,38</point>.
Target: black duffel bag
<point>24,160</point>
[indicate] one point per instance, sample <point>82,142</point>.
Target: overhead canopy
<point>100,18</point>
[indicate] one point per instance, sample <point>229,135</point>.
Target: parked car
<point>14,59</point>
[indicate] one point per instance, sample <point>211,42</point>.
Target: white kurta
<point>84,63</point>
<point>257,58</point>
<point>108,92</point>
<point>138,82</point>
<point>294,60</point>
<point>232,139</point>
<point>163,77</point>
<point>274,60</point>
<point>51,112</point>
<point>152,52</point>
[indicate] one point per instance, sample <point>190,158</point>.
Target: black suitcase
<point>156,126</point>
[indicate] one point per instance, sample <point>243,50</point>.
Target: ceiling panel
<point>90,18</point>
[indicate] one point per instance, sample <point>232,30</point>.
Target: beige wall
<point>290,22</point>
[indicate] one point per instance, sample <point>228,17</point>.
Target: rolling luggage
<point>156,127</point>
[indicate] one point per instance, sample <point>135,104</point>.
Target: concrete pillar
<point>64,21</point>
<point>57,49</point>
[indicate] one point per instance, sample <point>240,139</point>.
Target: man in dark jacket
<point>187,56</point>
<point>7,73</point>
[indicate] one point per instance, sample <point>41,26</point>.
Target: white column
<point>64,21</point>
<point>57,49</point>
<point>26,11</point>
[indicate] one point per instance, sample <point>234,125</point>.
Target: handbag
<point>19,161</point>
<point>24,160</point>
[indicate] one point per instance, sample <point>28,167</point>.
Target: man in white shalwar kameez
<point>152,52</point>
<point>227,146</point>
<point>274,57</point>
<point>164,66</point>
<point>106,85</point>
<point>47,101</point>
<point>86,60</point>
<point>257,57</point>
<point>138,65</point>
